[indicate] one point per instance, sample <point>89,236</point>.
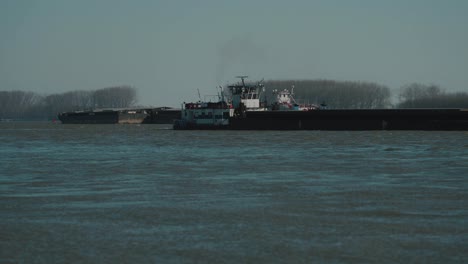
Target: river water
<point>149,194</point>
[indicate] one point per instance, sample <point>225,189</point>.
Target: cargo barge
<point>161,115</point>
<point>363,119</point>
<point>244,110</point>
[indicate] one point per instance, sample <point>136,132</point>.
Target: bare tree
<point>417,95</point>
<point>17,104</point>
<point>22,104</point>
<point>115,97</point>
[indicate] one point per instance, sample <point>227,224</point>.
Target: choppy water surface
<point>146,193</point>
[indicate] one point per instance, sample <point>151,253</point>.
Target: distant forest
<point>335,94</point>
<point>367,95</point>
<point>30,105</point>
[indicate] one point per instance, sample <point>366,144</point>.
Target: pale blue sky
<point>169,49</point>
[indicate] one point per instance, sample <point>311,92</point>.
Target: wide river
<point>149,194</point>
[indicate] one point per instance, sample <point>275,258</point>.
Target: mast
<point>242,77</point>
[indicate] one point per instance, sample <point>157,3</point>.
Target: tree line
<point>368,95</point>
<point>336,94</point>
<point>30,105</point>
<point>417,95</point>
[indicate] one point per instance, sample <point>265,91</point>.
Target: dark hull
<point>105,117</point>
<point>385,119</point>
<point>101,117</point>
<point>183,125</point>
<point>129,116</point>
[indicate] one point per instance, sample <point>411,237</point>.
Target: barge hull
<point>104,117</point>
<point>369,119</point>
<point>128,116</point>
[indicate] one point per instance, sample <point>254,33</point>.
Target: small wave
<point>392,149</point>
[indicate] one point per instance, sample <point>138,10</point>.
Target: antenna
<point>242,77</point>
<point>260,83</point>
<point>222,93</point>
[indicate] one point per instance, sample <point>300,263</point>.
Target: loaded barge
<point>243,110</point>
<point>161,115</point>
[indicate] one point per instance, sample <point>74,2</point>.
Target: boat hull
<point>103,117</point>
<point>384,119</point>
<point>89,117</point>
<point>129,116</point>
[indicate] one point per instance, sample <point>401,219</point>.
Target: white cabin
<point>203,114</point>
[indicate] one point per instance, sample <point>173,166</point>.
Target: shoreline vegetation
<point>25,105</point>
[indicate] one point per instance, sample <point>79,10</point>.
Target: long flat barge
<point>161,115</point>
<point>362,119</point>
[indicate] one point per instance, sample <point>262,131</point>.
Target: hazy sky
<point>169,49</point>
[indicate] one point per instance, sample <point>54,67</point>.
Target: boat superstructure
<point>241,97</point>
<point>248,96</point>
<point>285,101</point>
<point>204,115</point>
